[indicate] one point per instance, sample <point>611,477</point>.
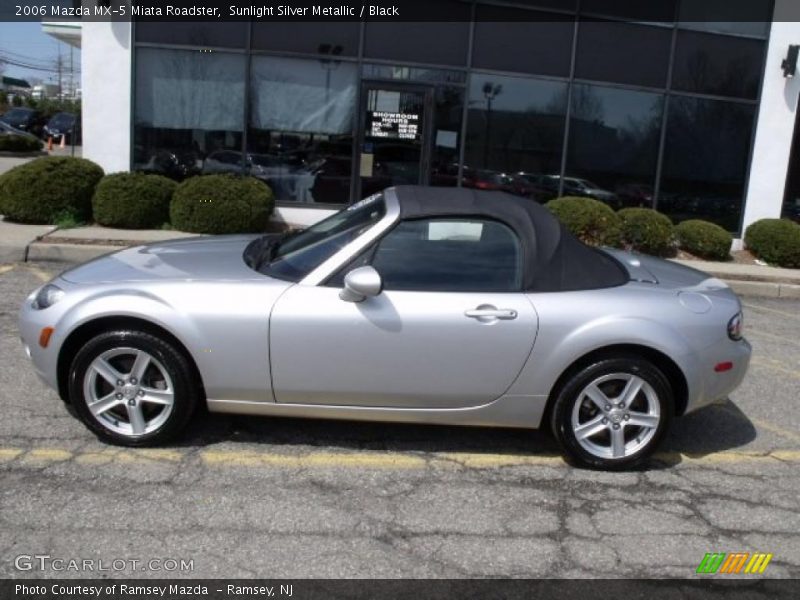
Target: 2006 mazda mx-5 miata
<point>450,306</point>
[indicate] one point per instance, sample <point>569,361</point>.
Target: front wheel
<point>132,388</point>
<point>613,413</point>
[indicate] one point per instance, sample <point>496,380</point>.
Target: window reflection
<point>613,145</point>
<point>300,139</point>
<point>189,105</point>
<point>705,160</point>
<point>603,46</point>
<point>515,133</point>
<point>718,64</point>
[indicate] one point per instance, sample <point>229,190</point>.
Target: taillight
<point>735,326</point>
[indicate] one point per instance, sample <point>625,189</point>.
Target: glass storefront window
<point>705,160</point>
<point>748,18</point>
<point>189,106</point>
<point>300,139</point>
<point>515,134</point>
<point>613,145</point>
<point>718,64</point>
<point>443,43</point>
<point>524,41</point>
<point>605,45</point>
<point>203,34</point>
<point>662,11</point>
<point>335,39</point>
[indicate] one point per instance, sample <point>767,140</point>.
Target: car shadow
<point>719,427</point>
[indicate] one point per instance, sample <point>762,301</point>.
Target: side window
<point>450,255</point>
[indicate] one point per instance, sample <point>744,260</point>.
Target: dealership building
<point>632,103</point>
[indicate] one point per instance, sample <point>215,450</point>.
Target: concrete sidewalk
<point>20,243</point>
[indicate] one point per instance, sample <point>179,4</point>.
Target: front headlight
<point>735,326</point>
<point>47,296</point>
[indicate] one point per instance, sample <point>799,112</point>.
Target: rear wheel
<point>613,413</point>
<point>132,388</point>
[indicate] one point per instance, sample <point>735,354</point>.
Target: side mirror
<point>361,283</point>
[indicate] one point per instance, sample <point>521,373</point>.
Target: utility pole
<point>59,69</point>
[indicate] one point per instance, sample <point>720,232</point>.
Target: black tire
<point>570,394</point>
<point>186,392</point>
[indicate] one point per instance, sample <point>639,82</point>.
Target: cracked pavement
<point>248,497</point>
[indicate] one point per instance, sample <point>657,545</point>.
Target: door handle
<point>491,313</point>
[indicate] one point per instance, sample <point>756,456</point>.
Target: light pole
<point>329,64</point>
<point>490,92</point>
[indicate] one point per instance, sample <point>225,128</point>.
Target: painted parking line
<point>43,276</point>
<point>772,336</point>
<point>770,364</point>
<point>43,456</point>
<point>783,313</point>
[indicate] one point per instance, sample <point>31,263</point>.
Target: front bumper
<point>31,323</point>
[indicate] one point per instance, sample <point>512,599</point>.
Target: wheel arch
<point>675,376</point>
<point>86,331</point>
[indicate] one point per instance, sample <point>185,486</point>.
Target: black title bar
<point>663,11</point>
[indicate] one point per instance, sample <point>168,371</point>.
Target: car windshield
<point>61,120</point>
<point>300,253</point>
<point>16,115</point>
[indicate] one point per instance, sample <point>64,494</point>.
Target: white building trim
<point>776,119</point>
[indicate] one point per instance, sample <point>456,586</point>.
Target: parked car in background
<point>63,123</point>
<point>635,195</point>
<point>175,164</point>
<point>6,129</point>
<point>575,186</point>
<point>26,119</point>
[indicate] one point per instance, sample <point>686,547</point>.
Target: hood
<point>649,269</point>
<point>215,258</point>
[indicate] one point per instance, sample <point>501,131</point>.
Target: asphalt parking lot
<point>243,497</point>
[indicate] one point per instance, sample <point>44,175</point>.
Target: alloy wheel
<point>128,391</point>
<point>616,415</point>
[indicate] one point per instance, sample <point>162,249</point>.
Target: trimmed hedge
<point>704,239</point>
<point>41,190</point>
<point>221,204</point>
<point>19,143</point>
<point>646,230</point>
<point>588,219</point>
<point>133,200</point>
<point>776,241</point>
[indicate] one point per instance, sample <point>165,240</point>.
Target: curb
<point>65,252</point>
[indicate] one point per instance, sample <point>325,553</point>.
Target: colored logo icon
<point>734,563</point>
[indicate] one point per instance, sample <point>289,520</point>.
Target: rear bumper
<point>711,385</point>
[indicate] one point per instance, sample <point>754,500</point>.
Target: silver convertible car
<point>451,306</point>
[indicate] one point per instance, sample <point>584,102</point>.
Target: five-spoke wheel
<point>132,388</point>
<point>611,414</point>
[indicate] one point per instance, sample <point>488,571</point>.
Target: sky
<point>25,40</point>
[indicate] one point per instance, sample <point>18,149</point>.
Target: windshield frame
<point>315,275</point>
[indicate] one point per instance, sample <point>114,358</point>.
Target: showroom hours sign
<point>393,125</point>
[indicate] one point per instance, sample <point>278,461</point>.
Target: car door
<point>450,329</point>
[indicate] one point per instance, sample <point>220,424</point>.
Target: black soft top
<point>554,259</point>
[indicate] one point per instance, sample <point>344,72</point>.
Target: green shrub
<point>776,241</point>
<point>646,230</point>
<point>704,239</point>
<point>590,220</point>
<point>132,200</point>
<point>221,204</point>
<point>39,190</point>
<point>19,143</point>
